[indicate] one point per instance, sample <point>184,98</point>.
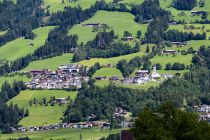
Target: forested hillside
<point>66,65</point>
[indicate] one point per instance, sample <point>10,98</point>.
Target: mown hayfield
<point>164,59</point>
<point>140,86</point>
<point>108,72</point>
<point>50,63</point>
<point>41,115</point>
<point>112,60</point>
<point>21,47</point>
<point>118,21</point>
<point>61,134</point>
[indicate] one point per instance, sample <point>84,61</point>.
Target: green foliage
<point>170,123</point>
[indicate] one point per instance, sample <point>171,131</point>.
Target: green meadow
<point>50,63</point>
<point>11,79</point>
<point>108,72</point>
<point>57,5</point>
<point>61,134</point>
<point>41,115</point>
<point>21,47</point>
<point>112,19</point>
<point>112,60</point>
<point>183,14</point>
<point>164,59</point>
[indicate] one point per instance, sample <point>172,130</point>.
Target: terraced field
<point>21,47</point>
<point>40,114</point>
<point>112,19</point>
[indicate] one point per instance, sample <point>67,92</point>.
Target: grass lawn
<point>112,60</point>
<point>20,47</point>
<point>50,63</point>
<point>112,19</point>
<point>41,115</point>
<point>108,72</point>
<point>61,134</point>
<point>164,59</point>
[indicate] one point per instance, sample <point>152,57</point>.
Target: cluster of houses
<point>81,125</point>
<point>65,77</point>
<point>203,111</point>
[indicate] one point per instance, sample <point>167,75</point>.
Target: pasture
<point>164,59</point>
<point>49,63</point>
<point>112,19</point>
<point>21,47</point>
<point>112,60</point>
<point>61,134</point>
<point>10,79</point>
<point>41,114</point>
<point>108,72</point>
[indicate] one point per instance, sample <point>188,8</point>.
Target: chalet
<point>142,73</point>
<point>114,78</point>
<point>31,45</point>
<point>100,78</point>
<point>128,38</point>
<point>169,52</point>
<point>61,100</point>
<point>147,21</point>
<point>172,23</point>
<point>109,65</point>
<point>91,25</point>
<point>197,13</point>
<point>140,80</point>
<point>178,43</point>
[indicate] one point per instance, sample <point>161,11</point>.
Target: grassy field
<point>57,5</point>
<point>61,134</point>
<point>112,19</point>
<point>21,47</point>
<point>164,59</point>
<point>10,79</point>
<point>41,115</point>
<point>108,72</point>
<point>50,63</point>
<point>166,4</point>
<point>112,60</point>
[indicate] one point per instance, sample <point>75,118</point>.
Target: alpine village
<point>104,69</point>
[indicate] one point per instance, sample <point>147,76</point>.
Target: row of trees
<point>184,4</point>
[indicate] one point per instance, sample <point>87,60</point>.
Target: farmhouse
<point>169,52</point>
<point>114,78</point>
<point>100,78</point>
<point>197,13</point>
<point>91,25</point>
<point>142,73</point>
<point>179,43</point>
<point>128,38</point>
